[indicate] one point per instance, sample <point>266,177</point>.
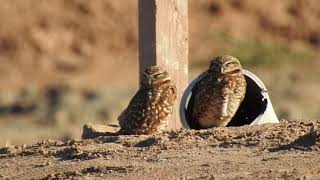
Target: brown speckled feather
<point>217,98</point>
<point>148,111</point>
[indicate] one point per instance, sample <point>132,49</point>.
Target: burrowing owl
<point>218,93</point>
<point>148,111</point>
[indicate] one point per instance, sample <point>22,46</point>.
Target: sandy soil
<point>284,151</point>
<point>93,46</point>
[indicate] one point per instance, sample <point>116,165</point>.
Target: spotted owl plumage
<point>218,93</point>
<point>149,110</point>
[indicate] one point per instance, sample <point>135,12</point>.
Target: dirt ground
<point>67,63</point>
<point>289,150</point>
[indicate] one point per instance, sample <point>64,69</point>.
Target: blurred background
<point>67,63</point>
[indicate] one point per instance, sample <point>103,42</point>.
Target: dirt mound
<point>244,152</point>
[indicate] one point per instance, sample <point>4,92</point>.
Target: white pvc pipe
<point>268,116</point>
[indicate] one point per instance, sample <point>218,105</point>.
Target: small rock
<point>91,131</point>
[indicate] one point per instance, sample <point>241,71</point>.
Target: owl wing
<point>147,111</point>
<point>132,116</point>
<point>196,89</point>
<point>232,100</point>
<point>163,103</point>
<point>172,92</point>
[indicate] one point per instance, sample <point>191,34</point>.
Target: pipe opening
<point>253,105</point>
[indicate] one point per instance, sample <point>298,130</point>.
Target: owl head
<point>155,76</point>
<point>225,64</point>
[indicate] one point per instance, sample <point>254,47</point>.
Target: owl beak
<point>221,70</point>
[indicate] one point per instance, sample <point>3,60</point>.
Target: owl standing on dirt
<point>148,111</point>
<point>218,93</point>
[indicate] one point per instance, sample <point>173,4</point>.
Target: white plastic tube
<point>256,93</point>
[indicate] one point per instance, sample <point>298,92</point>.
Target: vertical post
<point>163,41</point>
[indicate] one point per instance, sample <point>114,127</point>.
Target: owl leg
<point>225,115</point>
<point>224,106</point>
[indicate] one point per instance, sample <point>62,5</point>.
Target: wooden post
<point>163,41</point>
